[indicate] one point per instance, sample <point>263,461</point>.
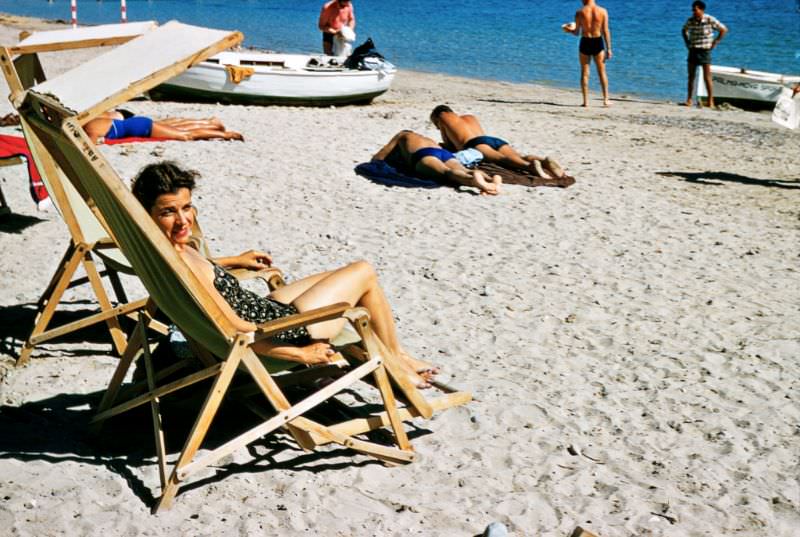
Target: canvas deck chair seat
<point>55,111</point>
<point>25,54</point>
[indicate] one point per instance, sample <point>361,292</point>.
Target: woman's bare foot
<point>231,135</point>
<point>423,369</point>
<point>553,167</point>
<point>419,381</point>
<point>487,188</point>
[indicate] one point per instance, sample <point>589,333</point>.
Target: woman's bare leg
<point>160,130</point>
<point>357,284</point>
<point>289,292</point>
<point>186,123</point>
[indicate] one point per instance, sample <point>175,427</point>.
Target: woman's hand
<point>316,353</point>
<point>251,259</point>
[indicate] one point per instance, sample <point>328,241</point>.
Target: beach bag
<point>787,110</point>
<point>343,42</point>
<point>365,57</point>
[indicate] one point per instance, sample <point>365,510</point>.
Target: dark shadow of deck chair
<point>55,111</point>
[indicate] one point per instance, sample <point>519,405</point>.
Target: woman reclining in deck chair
<point>124,124</point>
<point>165,191</point>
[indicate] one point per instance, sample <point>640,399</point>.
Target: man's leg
<point>692,68</point>
<point>600,64</point>
<point>584,59</point>
<point>506,156</point>
<point>709,83</point>
<point>453,171</point>
<point>514,160</point>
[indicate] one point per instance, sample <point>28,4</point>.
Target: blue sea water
<point>513,40</point>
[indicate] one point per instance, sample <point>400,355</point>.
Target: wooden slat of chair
<point>375,346</point>
<point>155,408</point>
<point>209,409</point>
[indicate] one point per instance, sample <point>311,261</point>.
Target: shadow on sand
<point>16,223</point>
<point>16,323</point>
<point>56,430</point>
<point>718,178</point>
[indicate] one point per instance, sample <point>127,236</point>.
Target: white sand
<point>633,340</point>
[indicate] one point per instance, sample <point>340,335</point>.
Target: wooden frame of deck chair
<point>88,236</point>
<point>56,112</point>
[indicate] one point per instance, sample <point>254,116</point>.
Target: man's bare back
<point>591,19</point>
<point>464,131</point>
<point>457,130</point>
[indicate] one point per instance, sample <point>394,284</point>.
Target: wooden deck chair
<point>55,111</point>
<point>89,239</point>
<point>176,292</point>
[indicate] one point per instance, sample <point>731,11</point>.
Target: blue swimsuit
<point>133,127</point>
<point>491,141</point>
<point>442,154</point>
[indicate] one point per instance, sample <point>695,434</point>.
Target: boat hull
<point>757,90</point>
<point>275,79</point>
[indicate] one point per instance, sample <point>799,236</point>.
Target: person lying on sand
<point>416,154</point>
<point>463,132</point>
<point>117,124</point>
<point>165,191</point>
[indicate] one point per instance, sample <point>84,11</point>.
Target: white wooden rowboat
<point>273,78</point>
<point>746,88</point>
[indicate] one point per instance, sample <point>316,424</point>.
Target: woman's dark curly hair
<point>162,178</point>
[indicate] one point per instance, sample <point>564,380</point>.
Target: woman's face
<point>174,215</point>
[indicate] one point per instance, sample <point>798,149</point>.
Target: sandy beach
<point>632,341</point>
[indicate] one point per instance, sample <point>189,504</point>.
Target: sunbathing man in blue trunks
<point>118,124</point>
<point>463,132</point>
<point>414,154</point>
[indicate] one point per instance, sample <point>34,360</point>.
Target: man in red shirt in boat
<point>335,15</point>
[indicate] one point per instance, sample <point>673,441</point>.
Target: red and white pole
<point>123,11</point>
<point>73,7</point>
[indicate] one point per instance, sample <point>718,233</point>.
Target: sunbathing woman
<point>123,124</point>
<point>414,154</point>
<point>165,191</point>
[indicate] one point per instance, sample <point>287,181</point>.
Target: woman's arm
<point>251,259</point>
<point>315,353</point>
<point>607,35</point>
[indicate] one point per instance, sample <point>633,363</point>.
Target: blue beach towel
<point>379,171</point>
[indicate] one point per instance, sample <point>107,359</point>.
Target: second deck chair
<point>89,239</point>
<point>54,112</point>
